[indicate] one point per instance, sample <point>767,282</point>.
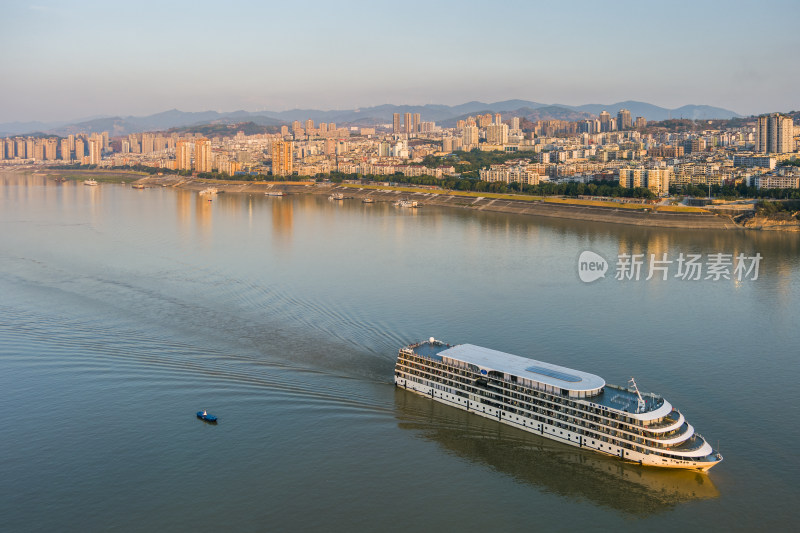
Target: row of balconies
<point>636,434</point>
<point>426,364</point>
<point>618,438</point>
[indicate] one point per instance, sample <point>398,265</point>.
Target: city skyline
<point>126,60</point>
<point>542,154</point>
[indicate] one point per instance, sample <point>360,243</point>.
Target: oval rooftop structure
<point>487,360</point>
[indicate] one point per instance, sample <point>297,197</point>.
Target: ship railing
<point>652,401</point>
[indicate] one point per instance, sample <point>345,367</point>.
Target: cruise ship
<point>559,403</point>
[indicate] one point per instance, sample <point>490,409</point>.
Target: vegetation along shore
<point>763,215</point>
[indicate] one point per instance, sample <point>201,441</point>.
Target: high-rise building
<point>693,146</point>
<point>80,150</point>
<point>133,140</point>
<point>148,143</point>
<point>160,143</point>
<point>38,149</point>
<point>469,137</point>
<point>408,122</point>
<point>66,153</point>
<point>282,158</point>
<point>605,121</point>
<point>323,127</point>
<point>515,123</point>
<point>202,155</point>
<point>587,126</point>
<point>774,134</point>
<point>309,126</point>
<point>631,177</point>
<point>396,124</point>
<point>415,126</point>
<point>95,149</point>
<point>50,149</point>
<point>297,128</point>
<point>640,123</point>
<point>657,180</point>
<point>624,121</point>
<point>497,133</point>
<point>497,118</point>
<point>183,155</point>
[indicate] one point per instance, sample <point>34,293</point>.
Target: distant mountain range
<point>442,114</point>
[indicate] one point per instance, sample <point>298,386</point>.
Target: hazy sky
<point>67,60</point>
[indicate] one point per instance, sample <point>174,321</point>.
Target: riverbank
<point>619,214</point>
<point>590,211</point>
<point>768,224</point>
<point>102,176</point>
<point>634,214</point>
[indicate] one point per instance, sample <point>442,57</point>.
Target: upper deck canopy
<point>522,367</point>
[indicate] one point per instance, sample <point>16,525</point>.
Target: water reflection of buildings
<point>555,467</point>
<point>94,196</point>
<point>779,251</point>
<point>203,216</point>
<point>183,211</point>
<point>282,218</point>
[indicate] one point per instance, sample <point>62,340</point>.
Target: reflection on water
<point>549,465</point>
<point>282,218</point>
<point>242,297</point>
<point>183,209</point>
<point>203,209</point>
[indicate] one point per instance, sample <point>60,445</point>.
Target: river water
<point>123,312</point>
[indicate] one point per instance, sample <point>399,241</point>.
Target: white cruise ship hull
<point>554,425</point>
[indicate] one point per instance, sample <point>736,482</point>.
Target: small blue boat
<point>203,415</point>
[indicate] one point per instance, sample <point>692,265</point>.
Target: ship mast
<point>640,403</point>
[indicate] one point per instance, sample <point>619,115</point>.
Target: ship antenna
<point>640,403</point>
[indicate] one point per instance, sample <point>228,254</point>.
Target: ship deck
<point>625,400</point>
<point>610,396</point>
<point>426,349</point>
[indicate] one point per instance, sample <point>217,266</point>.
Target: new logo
<point>591,266</point>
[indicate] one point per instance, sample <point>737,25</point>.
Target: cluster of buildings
<point>83,149</point>
<point>609,148</point>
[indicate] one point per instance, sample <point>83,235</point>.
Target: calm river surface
<point>123,312</point>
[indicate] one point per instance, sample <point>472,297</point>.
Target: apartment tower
<point>282,162</point>
<point>774,134</point>
<point>202,155</point>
